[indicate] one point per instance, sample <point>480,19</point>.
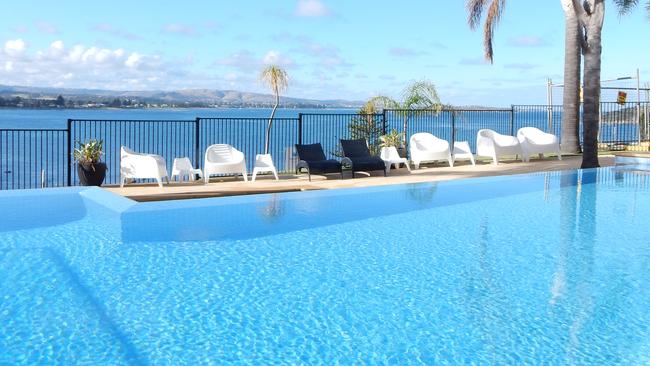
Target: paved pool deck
<point>288,183</point>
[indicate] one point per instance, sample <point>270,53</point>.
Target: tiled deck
<point>288,183</point>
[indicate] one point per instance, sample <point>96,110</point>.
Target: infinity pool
<point>549,268</point>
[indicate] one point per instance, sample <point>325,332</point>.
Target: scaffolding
<point>643,122</point>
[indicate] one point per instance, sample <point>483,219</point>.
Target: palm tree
<point>571,92</point>
<point>590,15</point>
<point>277,79</point>
<point>418,95</point>
<point>571,99</point>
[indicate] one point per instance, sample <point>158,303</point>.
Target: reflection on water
<point>273,209</point>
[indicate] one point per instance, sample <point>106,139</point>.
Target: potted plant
<point>395,139</point>
<point>90,169</point>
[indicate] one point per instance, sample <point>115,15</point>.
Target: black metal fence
<point>35,158</point>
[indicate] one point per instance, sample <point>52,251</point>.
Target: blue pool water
<point>549,268</point>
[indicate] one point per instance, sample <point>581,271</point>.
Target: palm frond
<point>276,78</point>
<point>491,21</point>
<point>378,103</point>
<point>421,94</point>
<point>475,10</point>
<point>626,6</point>
<point>492,9</point>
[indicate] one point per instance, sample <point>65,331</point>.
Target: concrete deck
<point>289,183</point>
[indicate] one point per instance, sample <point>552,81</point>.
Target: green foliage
<point>393,138</point>
<point>90,152</point>
<point>418,95</point>
<point>421,94</point>
<point>367,127</point>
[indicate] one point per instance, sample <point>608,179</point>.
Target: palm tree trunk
<point>267,140</point>
<point>571,98</point>
<point>592,54</point>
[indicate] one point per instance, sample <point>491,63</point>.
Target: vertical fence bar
<point>512,120</point>
<point>453,126</point>
<point>299,128</point>
<point>197,144</point>
<point>69,153</point>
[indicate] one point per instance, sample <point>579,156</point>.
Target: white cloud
<point>242,60</point>
<point>117,32</point>
<point>57,46</point>
<point>133,61</point>
<point>180,29</point>
<point>312,9</point>
<point>405,52</point>
<point>276,58</point>
<point>47,28</point>
<point>80,66</point>
<point>324,55</point>
<point>15,47</point>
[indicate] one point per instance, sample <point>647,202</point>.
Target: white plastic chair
<point>264,164</point>
<point>426,147</point>
<point>390,156</point>
<point>223,159</point>
<point>535,141</point>
<point>491,144</point>
<point>462,151</point>
<point>135,165</point>
<point>183,168</point>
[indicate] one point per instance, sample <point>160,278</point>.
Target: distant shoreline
<point>163,108</point>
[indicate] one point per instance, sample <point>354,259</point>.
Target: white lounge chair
<point>491,144</point>
<point>390,156</point>
<point>183,168</point>
<point>426,147</point>
<point>223,159</point>
<point>135,165</point>
<point>535,141</point>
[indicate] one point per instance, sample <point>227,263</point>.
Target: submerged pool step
<point>50,314</point>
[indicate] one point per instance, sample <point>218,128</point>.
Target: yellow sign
<point>622,97</point>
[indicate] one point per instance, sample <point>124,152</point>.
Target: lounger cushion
<point>368,163</point>
<point>324,166</point>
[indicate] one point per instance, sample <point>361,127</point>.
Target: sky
<point>331,49</point>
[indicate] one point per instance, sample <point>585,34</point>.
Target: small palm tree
<point>277,79</point>
<point>419,95</point>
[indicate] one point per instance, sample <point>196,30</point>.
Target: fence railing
<point>35,158</point>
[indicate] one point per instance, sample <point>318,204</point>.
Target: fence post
<point>512,120</point>
<point>383,122</point>
<point>299,128</point>
<point>197,143</point>
<point>69,154</point>
<point>453,125</point>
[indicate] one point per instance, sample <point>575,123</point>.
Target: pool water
<point>549,268</point>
